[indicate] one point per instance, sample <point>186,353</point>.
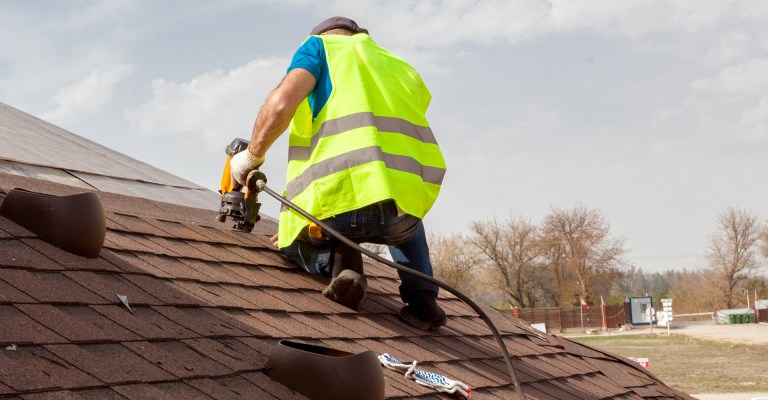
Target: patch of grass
<point>694,365</point>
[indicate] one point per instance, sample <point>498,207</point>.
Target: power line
<point>661,257</point>
<point>670,237</point>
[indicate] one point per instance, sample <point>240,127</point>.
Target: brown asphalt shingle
<point>77,323</point>
<point>145,322</point>
<point>35,368</point>
<point>16,253</point>
<point>161,391</point>
<point>50,287</point>
<point>209,303</point>
<point>18,327</point>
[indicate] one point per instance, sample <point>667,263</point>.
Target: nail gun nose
<point>242,208</point>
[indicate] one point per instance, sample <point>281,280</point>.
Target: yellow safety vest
<point>371,141</point>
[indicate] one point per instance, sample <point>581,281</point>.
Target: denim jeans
<point>377,223</point>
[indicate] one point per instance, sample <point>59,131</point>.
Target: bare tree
<point>579,237</point>
<point>692,292</point>
<point>511,248</point>
<point>731,251</point>
<point>559,285</point>
<point>764,241</point>
<point>455,261</point>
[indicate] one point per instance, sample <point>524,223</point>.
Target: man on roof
<point>361,158</point>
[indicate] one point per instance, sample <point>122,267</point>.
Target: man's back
<point>371,140</point>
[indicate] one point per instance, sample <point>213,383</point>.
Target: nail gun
<point>241,207</point>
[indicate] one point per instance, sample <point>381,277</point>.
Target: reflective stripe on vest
<point>359,157</point>
<point>360,120</point>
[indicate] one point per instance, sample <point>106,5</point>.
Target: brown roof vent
<point>73,223</point>
<point>324,373</point>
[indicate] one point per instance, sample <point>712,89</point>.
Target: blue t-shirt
<point>311,57</point>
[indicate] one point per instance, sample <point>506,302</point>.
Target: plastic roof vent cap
<point>73,223</point>
<point>325,373</point>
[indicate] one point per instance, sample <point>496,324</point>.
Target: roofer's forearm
<point>276,113</point>
<point>273,119</point>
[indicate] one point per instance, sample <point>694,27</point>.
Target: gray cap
<point>337,22</point>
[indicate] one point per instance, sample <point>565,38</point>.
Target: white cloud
<point>47,48</point>
<point>437,24</point>
<point>633,18</point>
<point>730,47</point>
<point>98,12</point>
<point>750,77</point>
<point>755,120</point>
<point>729,106</point>
<point>442,23</point>
<point>89,94</point>
<point>213,107</point>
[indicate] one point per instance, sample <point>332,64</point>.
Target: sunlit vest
<point>370,142</point>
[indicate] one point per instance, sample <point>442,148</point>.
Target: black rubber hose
<point>261,186</point>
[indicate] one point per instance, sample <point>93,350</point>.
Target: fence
<point>616,316</point>
<point>560,318</point>
<point>699,316</point>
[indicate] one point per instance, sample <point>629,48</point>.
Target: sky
<point>653,112</point>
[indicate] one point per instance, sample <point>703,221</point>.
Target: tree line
<point>570,256</point>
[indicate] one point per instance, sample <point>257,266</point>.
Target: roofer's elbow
<point>280,104</point>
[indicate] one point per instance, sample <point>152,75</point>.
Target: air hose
<point>262,186</point>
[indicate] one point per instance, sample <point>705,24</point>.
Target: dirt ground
<point>741,333</point>
<point>716,361</point>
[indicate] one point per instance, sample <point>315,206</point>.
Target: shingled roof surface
<point>209,303</point>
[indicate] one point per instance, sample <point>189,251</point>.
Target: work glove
<point>424,378</point>
<point>438,382</point>
<point>242,164</point>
